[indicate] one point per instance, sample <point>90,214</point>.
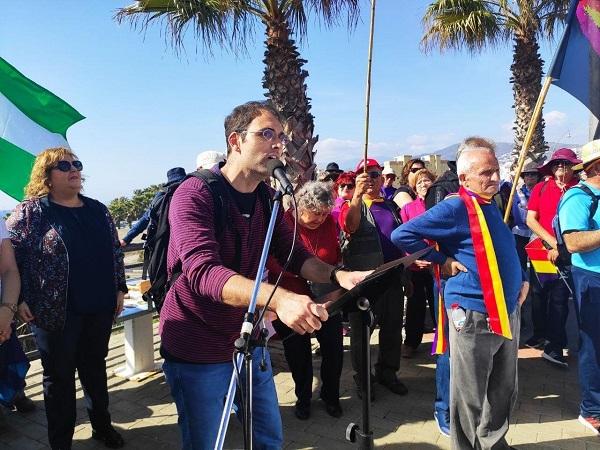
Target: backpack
<point>564,256</point>
<point>158,234</point>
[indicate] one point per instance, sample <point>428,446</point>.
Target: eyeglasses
<point>65,166</point>
<point>562,163</point>
<point>415,169</point>
<point>347,186</point>
<point>268,134</point>
<point>374,174</point>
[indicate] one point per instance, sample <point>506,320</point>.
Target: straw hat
<point>589,152</point>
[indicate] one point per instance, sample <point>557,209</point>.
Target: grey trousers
<point>483,383</point>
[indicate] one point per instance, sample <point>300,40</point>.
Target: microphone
<point>276,169</point>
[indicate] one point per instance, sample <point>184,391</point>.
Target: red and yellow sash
<point>440,342</point>
<point>489,275</point>
<point>487,264</point>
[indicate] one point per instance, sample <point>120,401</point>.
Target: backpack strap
<point>393,208</point>
<point>588,191</point>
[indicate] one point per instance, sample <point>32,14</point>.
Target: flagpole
<point>368,94</point>
<point>530,130</point>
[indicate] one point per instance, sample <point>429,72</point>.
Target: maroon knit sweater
<point>195,325</point>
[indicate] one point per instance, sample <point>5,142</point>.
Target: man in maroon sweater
<point>203,311</point>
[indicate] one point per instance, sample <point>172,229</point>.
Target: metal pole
<point>535,117</point>
<point>368,94</point>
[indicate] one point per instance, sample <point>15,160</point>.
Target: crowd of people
<point>474,279</point>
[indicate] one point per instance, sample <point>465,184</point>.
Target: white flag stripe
<point>20,130</point>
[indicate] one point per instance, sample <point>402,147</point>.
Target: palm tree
<point>477,24</point>
<point>230,24</point>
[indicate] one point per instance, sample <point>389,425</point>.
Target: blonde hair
<point>422,173</point>
<point>39,181</point>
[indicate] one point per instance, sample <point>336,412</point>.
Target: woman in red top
<point>420,275</point>
<point>318,232</point>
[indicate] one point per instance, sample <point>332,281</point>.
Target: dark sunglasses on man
<point>374,174</point>
<point>65,166</point>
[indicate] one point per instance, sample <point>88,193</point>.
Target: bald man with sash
<point>483,293</point>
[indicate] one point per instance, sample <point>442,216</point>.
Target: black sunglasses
<point>374,174</point>
<point>415,169</point>
<point>347,185</point>
<point>65,166</point>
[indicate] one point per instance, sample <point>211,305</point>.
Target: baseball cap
<point>370,163</point>
<point>208,159</point>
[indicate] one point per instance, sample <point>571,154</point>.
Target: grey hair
<point>469,145</point>
<point>315,195</point>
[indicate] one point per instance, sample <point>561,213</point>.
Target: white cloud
<point>348,152</point>
<point>555,118</point>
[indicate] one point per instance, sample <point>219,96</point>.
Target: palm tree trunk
<point>284,80</point>
<point>526,79</point>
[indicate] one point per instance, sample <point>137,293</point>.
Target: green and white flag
<point>32,119</point>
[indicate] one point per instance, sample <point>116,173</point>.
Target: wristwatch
<point>333,273</point>
<point>10,306</point>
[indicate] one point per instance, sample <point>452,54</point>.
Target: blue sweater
<point>447,223</point>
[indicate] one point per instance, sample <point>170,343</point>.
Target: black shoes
<point>393,384</point>
<point>333,409</point>
<point>110,437</point>
<point>302,411</point>
<point>23,404</point>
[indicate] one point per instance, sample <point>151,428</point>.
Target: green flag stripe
<point>15,169</point>
<point>37,103</point>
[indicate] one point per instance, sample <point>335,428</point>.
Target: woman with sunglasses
<point>344,188</point>
<point>73,284</point>
<point>405,193</point>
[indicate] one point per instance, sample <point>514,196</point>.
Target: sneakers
<point>110,437</point>
<point>591,423</point>
<point>555,358</point>
<point>442,422</point>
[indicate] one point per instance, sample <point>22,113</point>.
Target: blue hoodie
<point>447,223</point>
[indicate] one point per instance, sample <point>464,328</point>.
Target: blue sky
<point>148,109</point>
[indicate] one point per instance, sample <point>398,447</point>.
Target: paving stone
<point>545,416</point>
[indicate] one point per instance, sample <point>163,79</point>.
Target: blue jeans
<point>199,391</point>
<point>587,298</point>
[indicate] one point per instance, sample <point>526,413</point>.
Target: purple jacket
<point>195,324</point>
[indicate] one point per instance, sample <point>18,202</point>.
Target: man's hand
<point>300,313</point>
<point>120,302</point>
<point>348,280</point>
<point>24,313</point>
<point>523,292</point>
<point>122,242</point>
<point>363,183</point>
<point>552,256</point>
<point>451,267</point>
<point>6,317</point>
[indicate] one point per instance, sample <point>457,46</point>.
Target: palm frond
<point>221,23</point>
<point>458,24</point>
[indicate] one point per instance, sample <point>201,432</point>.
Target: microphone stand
<point>244,347</point>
